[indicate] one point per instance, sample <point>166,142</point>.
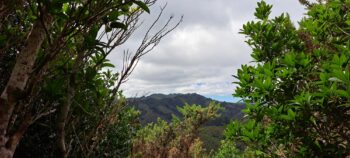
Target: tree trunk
<point>64,110</point>
<point>62,119</point>
<point>18,80</point>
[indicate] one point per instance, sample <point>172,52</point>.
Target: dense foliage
<point>179,138</point>
<point>56,90</point>
<point>297,92</point>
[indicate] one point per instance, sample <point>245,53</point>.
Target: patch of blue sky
<point>226,98</point>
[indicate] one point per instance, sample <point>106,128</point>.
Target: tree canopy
<point>297,91</point>
<point>53,61</point>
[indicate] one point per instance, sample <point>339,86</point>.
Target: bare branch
<point>148,44</point>
<point>44,114</point>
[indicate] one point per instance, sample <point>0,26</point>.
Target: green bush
<point>297,94</point>
<point>179,138</point>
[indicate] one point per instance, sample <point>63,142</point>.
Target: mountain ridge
<point>164,105</point>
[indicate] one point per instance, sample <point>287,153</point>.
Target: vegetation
<point>59,97</point>
<point>54,84</point>
<point>297,92</point>
<point>165,106</point>
<point>178,138</point>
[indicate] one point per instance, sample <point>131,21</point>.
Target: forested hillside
<point>164,106</point>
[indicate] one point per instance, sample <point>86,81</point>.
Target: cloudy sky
<point>203,53</point>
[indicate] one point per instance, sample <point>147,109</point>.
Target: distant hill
<point>164,106</point>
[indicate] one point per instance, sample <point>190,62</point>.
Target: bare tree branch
<point>148,43</point>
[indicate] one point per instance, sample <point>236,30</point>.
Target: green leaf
<point>263,10</point>
<point>113,16</point>
<point>285,117</point>
<point>107,65</point>
<point>347,22</point>
<point>291,114</point>
<point>289,59</point>
<point>65,7</point>
<point>342,93</point>
<point>250,125</point>
<point>142,5</point>
<point>268,83</point>
<point>118,25</point>
<point>90,40</point>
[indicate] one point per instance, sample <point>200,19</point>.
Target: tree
<point>297,93</point>
<point>52,56</point>
<point>179,138</point>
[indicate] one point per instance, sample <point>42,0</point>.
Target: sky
<point>202,54</point>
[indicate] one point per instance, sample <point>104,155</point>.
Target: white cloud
<point>204,52</point>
